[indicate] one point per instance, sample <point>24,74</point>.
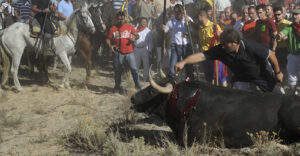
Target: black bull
<point>228,113</point>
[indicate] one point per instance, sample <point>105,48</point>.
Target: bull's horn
<point>164,90</point>
<point>162,74</point>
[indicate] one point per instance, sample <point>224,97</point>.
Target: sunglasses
<point>277,14</point>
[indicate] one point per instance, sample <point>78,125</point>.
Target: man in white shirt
<point>143,47</point>
<point>181,45</point>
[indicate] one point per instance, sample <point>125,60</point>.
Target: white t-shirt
<point>178,28</point>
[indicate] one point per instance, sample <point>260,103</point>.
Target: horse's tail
<point>6,64</point>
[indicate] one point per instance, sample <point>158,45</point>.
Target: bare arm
<point>61,15</point>
<point>192,59</point>
<point>35,9</point>
<point>275,65</point>
<point>108,42</point>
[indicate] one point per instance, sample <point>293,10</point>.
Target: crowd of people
<point>253,45</point>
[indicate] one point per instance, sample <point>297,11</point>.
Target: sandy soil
<point>33,121</point>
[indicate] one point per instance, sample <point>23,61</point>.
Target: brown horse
<point>87,43</point>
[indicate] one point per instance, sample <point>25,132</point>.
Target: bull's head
<point>152,98</point>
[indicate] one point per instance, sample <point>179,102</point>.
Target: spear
<point>216,61</point>
<point>163,34</point>
<point>190,35</point>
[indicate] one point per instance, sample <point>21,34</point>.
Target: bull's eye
<point>152,92</point>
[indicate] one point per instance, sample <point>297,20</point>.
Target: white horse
<point>16,37</point>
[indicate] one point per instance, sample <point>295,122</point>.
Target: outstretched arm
<point>192,59</point>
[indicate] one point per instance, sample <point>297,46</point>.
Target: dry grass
<point>9,122</point>
<point>86,137</point>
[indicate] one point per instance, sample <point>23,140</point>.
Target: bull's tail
<point>6,64</point>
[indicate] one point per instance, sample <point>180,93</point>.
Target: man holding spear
<point>181,44</point>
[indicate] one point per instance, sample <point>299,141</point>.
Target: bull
<point>227,112</point>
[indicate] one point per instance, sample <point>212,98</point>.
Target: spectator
<point>269,12</point>
<point>22,10</point>
<point>146,9</point>
<point>281,50</point>
<point>181,44</point>
<point>240,23</point>
<point>65,9</point>
<point>265,2</point>
<point>292,34</point>
<point>249,27</point>
<point>123,35</point>
<point>117,4</point>
<point>143,47</point>
<point>208,34</point>
<point>265,29</point>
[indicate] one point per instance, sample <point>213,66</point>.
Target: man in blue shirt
<point>65,9</point>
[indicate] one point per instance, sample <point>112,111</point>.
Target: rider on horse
<point>43,11</point>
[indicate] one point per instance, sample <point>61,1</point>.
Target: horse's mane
<point>66,25</point>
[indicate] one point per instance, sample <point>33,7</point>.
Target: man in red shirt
<point>265,29</point>
<point>120,41</point>
<point>248,29</point>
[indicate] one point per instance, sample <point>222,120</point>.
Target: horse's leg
<point>85,58</point>
<point>65,81</point>
<point>14,70</point>
<point>45,68</point>
<point>55,62</point>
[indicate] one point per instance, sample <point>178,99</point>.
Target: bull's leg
<point>14,70</point>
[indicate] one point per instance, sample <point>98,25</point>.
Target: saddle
<point>35,28</point>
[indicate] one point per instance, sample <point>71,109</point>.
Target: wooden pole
<point>216,62</point>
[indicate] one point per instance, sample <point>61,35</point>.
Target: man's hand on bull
<point>179,66</point>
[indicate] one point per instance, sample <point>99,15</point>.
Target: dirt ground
<point>33,121</point>
<point>38,120</point>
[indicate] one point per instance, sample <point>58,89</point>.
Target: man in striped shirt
<point>22,10</point>
<point>117,4</point>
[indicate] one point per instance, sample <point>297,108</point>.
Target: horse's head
<point>95,10</point>
<point>84,20</point>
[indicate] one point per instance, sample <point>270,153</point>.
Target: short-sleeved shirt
<point>294,40</point>
<point>178,28</point>
<point>264,31</point>
<point>145,10</point>
<point>248,64</point>
<point>280,26</point>
<point>122,37</point>
<point>248,29</point>
<point>117,4</point>
<point>41,4</point>
<point>23,9</point>
<point>206,34</point>
<point>66,8</point>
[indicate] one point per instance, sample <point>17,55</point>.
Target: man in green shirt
<point>292,34</point>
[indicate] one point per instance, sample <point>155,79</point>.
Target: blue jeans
<point>179,52</point>
<point>118,62</point>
